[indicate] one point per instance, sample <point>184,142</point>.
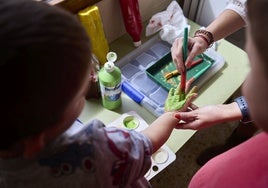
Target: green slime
<point>131,124</point>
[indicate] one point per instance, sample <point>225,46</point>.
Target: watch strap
<point>242,104</point>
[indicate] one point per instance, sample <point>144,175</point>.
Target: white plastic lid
<point>160,156</point>
<point>109,66</point>
<point>111,56</point>
<point>137,44</point>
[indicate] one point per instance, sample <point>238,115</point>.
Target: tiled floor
<point>179,173</point>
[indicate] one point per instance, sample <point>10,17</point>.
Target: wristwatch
<point>242,104</point>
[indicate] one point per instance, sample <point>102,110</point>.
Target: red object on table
<point>132,19</point>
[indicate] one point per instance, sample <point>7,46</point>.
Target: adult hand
<point>196,46</point>
<point>208,116</point>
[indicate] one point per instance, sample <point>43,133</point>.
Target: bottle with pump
<point>110,83</point>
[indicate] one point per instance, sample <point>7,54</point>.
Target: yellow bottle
<point>91,20</point>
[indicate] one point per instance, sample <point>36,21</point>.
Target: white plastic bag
<point>171,22</point>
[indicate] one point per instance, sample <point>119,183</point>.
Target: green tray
<point>165,65</point>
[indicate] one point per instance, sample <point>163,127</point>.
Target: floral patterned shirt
<point>91,156</point>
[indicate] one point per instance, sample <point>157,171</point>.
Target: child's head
<point>44,67</point>
<point>255,87</point>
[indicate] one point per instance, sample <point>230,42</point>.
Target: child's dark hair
<point>44,55</point>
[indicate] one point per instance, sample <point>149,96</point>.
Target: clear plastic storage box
<point>138,85</point>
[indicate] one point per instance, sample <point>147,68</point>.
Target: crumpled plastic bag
<point>170,23</point>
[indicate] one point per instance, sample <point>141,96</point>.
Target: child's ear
<point>33,145</point>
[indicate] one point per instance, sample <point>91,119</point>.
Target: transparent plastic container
<point>138,85</point>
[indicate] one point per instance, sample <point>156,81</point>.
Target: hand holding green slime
<point>177,98</point>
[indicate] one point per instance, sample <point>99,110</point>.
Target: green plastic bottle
<point>110,83</point>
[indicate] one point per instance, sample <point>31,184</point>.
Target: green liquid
<point>131,122</point>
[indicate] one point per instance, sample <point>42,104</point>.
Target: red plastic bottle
<point>132,19</point>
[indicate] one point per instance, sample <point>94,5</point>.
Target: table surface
<point>216,91</point>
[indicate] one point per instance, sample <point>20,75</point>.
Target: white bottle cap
<point>109,66</point>
<point>111,56</point>
<point>137,44</point>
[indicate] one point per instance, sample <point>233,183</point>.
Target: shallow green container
<point>165,65</point>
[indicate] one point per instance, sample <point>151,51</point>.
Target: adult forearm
<point>230,112</point>
<point>225,24</point>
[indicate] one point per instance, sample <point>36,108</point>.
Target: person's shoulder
<point>248,161</point>
<point>260,139</point>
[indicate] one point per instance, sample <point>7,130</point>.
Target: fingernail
<point>177,116</point>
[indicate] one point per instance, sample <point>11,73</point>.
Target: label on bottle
<point>111,94</point>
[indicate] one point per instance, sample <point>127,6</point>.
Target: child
<point>245,165</point>
<point>44,68</point>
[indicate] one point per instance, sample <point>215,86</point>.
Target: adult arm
<point>208,116</point>
<point>225,24</point>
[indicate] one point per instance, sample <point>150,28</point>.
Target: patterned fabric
<point>85,156</point>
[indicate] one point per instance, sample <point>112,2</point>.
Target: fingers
<point>192,106</point>
<point>177,91</point>
<point>171,92</point>
<point>190,99</point>
<point>187,120</point>
<point>188,84</point>
<point>197,46</point>
<point>177,55</point>
<point>193,90</point>
<point>188,102</point>
<point>190,125</point>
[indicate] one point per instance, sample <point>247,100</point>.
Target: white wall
<point>209,10</point>
<point>111,15</point>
